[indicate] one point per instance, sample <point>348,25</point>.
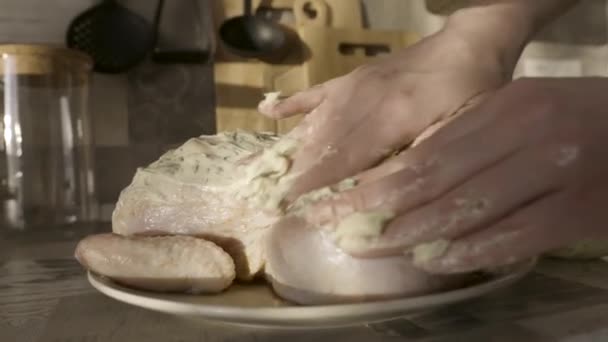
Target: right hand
<point>520,175</point>
<point>356,120</point>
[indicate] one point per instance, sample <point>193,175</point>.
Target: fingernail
<point>452,259</point>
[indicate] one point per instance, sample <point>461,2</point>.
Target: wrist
<point>505,26</point>
<point>501,30</point>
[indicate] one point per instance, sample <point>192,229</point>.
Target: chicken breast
<point>304,265</point>
<point>164,263</point>
<point>191,191</point>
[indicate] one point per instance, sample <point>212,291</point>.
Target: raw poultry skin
<point>304,265</point>
<point>194,191</point>
<point>164,263</point>
<point>190,191</point>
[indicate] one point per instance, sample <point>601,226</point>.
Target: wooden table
<point>44,296</point>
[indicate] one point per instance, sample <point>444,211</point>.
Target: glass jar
<point>46,145</point>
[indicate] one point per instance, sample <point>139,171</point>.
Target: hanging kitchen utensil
<point>256,37</point>
<point>168,52</point>
<point>116,38</point>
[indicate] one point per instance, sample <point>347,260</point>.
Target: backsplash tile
<point>117,164</point>
<point>170,103</point>
<point>108,103</point>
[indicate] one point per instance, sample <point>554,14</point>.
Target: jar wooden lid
<point>39,59</point>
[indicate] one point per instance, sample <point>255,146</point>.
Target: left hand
<point>523,173</point>
<point>356,120</point>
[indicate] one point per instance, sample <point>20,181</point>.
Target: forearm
<point>505,25</point>
<point>543,9</point>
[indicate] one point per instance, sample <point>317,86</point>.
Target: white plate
<point>256,304</point>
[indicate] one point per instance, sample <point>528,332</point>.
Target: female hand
<point>523,173</point>
<point>356,120</point>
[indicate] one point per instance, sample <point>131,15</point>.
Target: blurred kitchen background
<point>137,115</point>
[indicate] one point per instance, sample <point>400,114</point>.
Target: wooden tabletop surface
<point>44,296</point>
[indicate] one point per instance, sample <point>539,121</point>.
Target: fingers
<point>474,205</point>
<point>441,133</point>
<point>467,124</point>
<point>543,225</point>
<point>421,174</point>
<point>346,135</point>
<point>338,139</point>
<point>299,103</point>
<point>322,165</point>
<point>353,153</point>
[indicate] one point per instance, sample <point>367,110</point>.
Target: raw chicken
<point>305,266</point>
<point>212,188</point>
<point>166,263</point>
<point>191,191</point>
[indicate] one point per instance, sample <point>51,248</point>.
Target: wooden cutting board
<point>329,13</point>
